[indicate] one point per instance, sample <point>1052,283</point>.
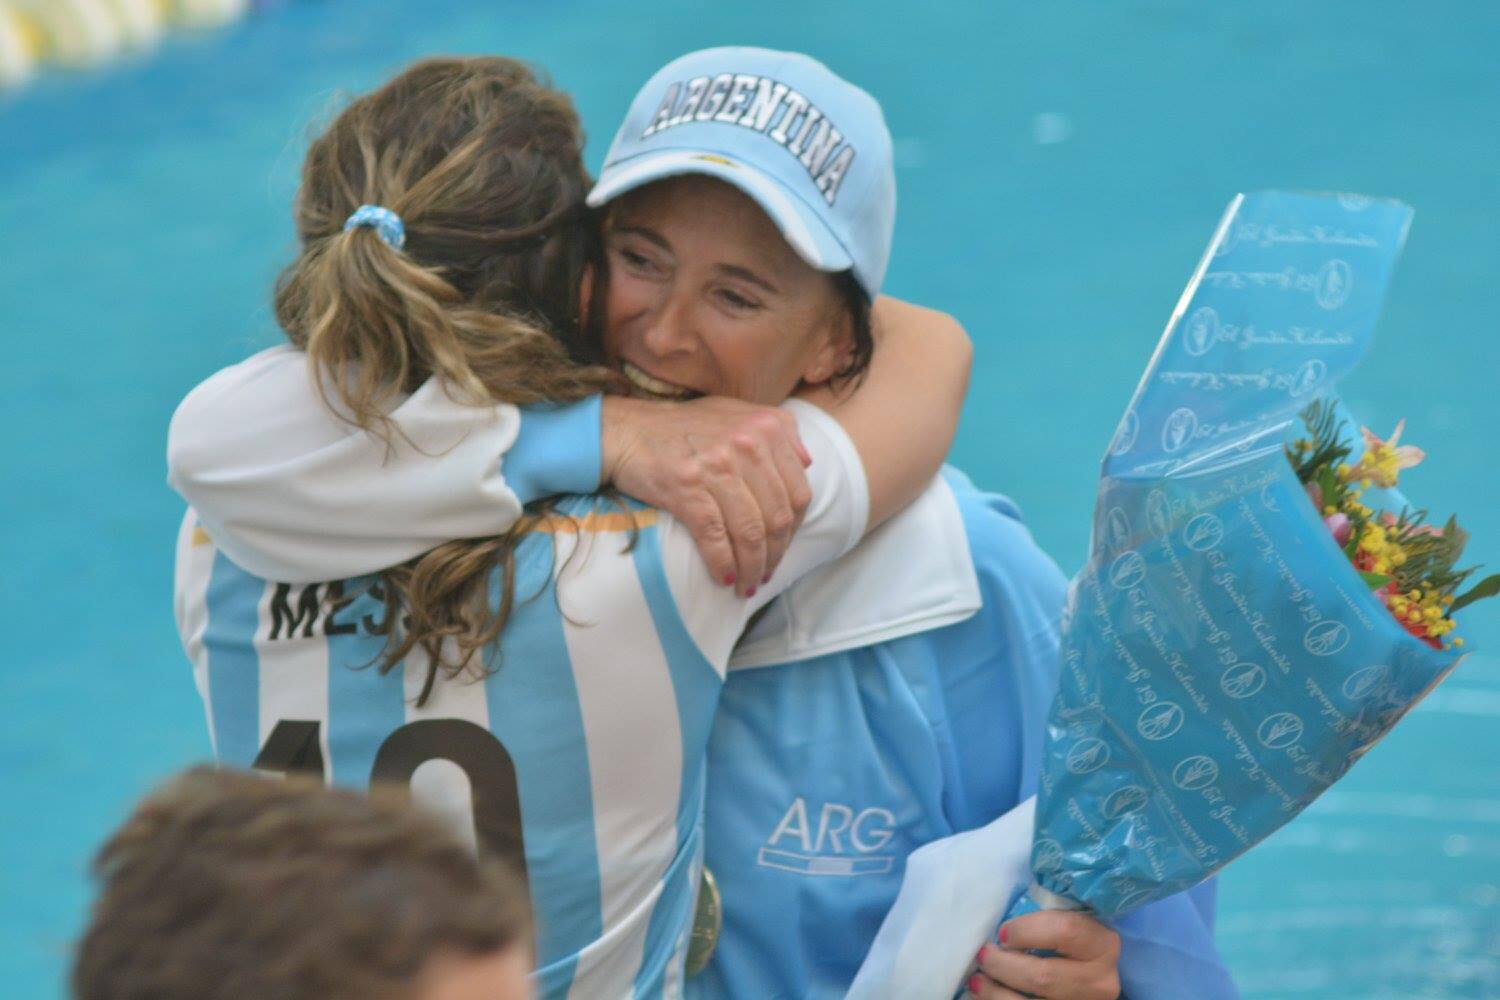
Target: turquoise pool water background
<point>1061,167</point>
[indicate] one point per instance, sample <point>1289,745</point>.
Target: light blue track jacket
<point>825,774</point>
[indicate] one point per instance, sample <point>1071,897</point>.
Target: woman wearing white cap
<point>914,674</point>
<point>552,686</point>
<point>902,690</point>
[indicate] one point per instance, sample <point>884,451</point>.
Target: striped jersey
<point>579,756</point>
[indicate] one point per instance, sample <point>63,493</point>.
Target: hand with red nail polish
<point>1084,964</point>
<point>732,472</point>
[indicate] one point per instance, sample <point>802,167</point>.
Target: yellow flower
<point>1383,461</point>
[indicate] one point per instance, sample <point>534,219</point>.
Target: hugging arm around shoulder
<point>291,492</point>
<point>903,416</point>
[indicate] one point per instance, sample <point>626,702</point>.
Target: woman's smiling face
<point>707,298</point>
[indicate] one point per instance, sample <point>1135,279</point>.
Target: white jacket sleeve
<point>284,486</point>
<point>835,521</point>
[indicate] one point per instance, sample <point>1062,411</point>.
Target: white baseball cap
<point>809,147</point>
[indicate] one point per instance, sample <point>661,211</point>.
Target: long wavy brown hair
<point>482,161</point>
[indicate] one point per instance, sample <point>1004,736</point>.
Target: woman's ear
<point>834,354</point>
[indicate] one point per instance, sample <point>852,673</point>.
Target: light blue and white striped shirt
<point>580,756</point>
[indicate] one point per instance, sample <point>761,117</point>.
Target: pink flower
<point>1339,526</point>
<point>1315,494</point>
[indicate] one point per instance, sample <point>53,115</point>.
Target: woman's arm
<point>732,472</point>
<point>292,493</point>
<point>903,415</point>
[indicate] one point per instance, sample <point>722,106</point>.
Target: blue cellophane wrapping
<point>1223,663</point>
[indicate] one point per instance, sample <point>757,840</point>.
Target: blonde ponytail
<point>482,163</point>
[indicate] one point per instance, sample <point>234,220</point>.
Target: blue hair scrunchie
<point>387,224</point>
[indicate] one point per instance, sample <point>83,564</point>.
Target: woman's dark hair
<point>857,306</point>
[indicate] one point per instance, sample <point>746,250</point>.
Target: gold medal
<point>708,921</point>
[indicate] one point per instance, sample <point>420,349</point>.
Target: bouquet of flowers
<point>1319,710</point>
<point>1409,564</point>
<point>1254,615</point>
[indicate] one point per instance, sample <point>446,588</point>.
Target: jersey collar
<point>912,574</point>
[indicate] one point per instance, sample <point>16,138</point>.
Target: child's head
<point>481,164</point>
<point>226,885</point>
